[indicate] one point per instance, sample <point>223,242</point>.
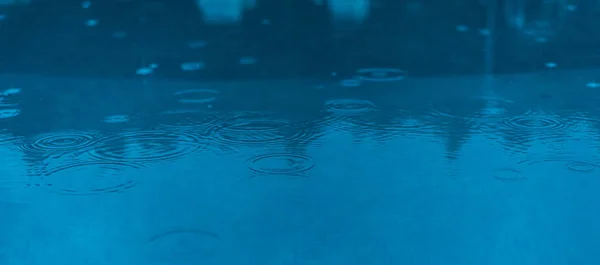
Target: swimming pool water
<point>221,143</point>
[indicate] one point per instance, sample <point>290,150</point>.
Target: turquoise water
<point>158,135</point>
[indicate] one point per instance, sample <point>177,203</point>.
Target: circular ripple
<point>280,164</point>
<point>252,128</point>
<point>182,245</point>
<point>349,106</point>
<point>581,167</point>
<point>147,146</point>
<point>569,165</point>
<point>90,178</point>
<point>508,175</point>
<point>381,74</point>
<point>69,141</point>
<point>535,122</point>
<point>197,96</point>
<point>187,119</point>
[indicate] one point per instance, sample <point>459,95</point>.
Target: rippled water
<point>394,172</point>
<point>315,132</point>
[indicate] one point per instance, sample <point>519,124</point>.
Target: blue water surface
<point>299,132</point>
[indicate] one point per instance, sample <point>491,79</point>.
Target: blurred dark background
<point>296,38</point>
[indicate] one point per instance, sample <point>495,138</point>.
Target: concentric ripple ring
<point>90,178</point>
<point>68,141</point>
<point>280,164</point>
<point>147,146</point>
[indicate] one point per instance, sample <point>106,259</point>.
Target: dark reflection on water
<point>182,172</point>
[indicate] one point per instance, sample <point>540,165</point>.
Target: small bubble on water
<point>572,8</point>
<point>91,23</point>
<point>550,65</point>
<point>484,32</point>
<point>86,4</point>
<point>153,66</point>
<point>246,60</point>
<point>192,66</point>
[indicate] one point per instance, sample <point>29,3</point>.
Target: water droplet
<point>86,4</point>
<point>551,65</point>
<point>153,66</point>
<point>380,74</point>
<point>182,245</point>
<point>192,66</point>
<point>90,178</point>
<point>280,164</point>
<point>155,146</point>
<point>197,96</point>
<point>116,119</point>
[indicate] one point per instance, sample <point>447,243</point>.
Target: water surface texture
<point>317,132</point>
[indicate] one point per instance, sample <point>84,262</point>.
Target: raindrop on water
<point>155,146</point>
